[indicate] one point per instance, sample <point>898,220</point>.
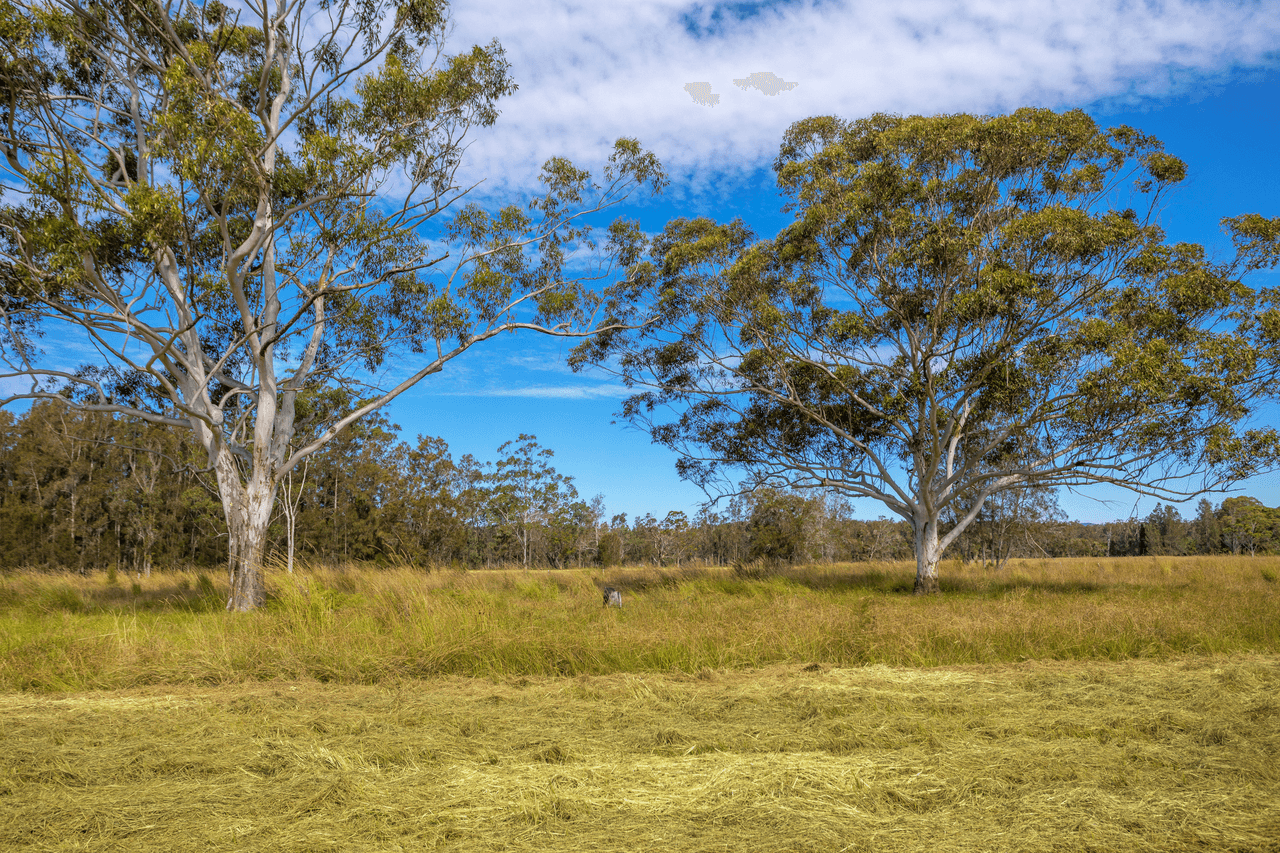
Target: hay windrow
<point>1136,755</point>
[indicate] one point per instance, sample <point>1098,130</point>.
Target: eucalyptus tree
<point>1249,524</point>
<point>429,511</point>
<point>228,203</point>
<point>778,526</point>
<point>961,306</point>
<point>526,497</point>
<point>1206,529</point>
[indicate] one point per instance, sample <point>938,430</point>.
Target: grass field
<point>1115,705</point>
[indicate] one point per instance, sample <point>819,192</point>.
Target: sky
<point>712,87</point>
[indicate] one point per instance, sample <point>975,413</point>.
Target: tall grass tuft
<point>361,625</point>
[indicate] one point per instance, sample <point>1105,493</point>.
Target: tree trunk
<point>148,534</point>
<point>291,523</point>
<point>1003,546</point>
<point>248,538</point>
<point>927,556</point>
<point>75,544</point>
<point>247,508</point>
<point>291,510</point>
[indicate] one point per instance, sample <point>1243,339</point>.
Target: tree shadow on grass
<point>874,578</point>
<point>94,597</point>
<point>901,581</point>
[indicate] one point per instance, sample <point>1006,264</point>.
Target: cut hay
<point>1178,755</point>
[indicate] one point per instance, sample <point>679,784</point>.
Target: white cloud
<point>14,385</point>
<point>548,392</point>
<point>553,362</point>
<point>589,73</point>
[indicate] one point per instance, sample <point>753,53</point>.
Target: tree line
<point>89,491</point>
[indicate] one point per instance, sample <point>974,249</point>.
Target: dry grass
<point>1046,756</point>
<point>813,709</point>
<point>61,632</point>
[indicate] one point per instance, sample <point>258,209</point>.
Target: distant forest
<point>88,491</point>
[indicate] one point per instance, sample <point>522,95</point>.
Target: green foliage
<point>524,496</point>
<point>1248,525</point>
<point>84,490</point>
<point>62,598</point>
<point>777,526</point>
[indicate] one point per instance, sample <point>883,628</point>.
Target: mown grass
<point>60,632</point>
<point>1043,756</point>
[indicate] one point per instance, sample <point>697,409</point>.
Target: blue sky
<point>1204,77</point>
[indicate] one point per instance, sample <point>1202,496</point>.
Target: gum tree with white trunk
<point>962,306</point>
<point>228,205</point>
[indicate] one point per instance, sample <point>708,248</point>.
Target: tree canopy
<point>230,204</point>
<point>961,306</point>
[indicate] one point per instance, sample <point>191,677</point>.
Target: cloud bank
<point>547,392</point>
<point>589,73</point>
